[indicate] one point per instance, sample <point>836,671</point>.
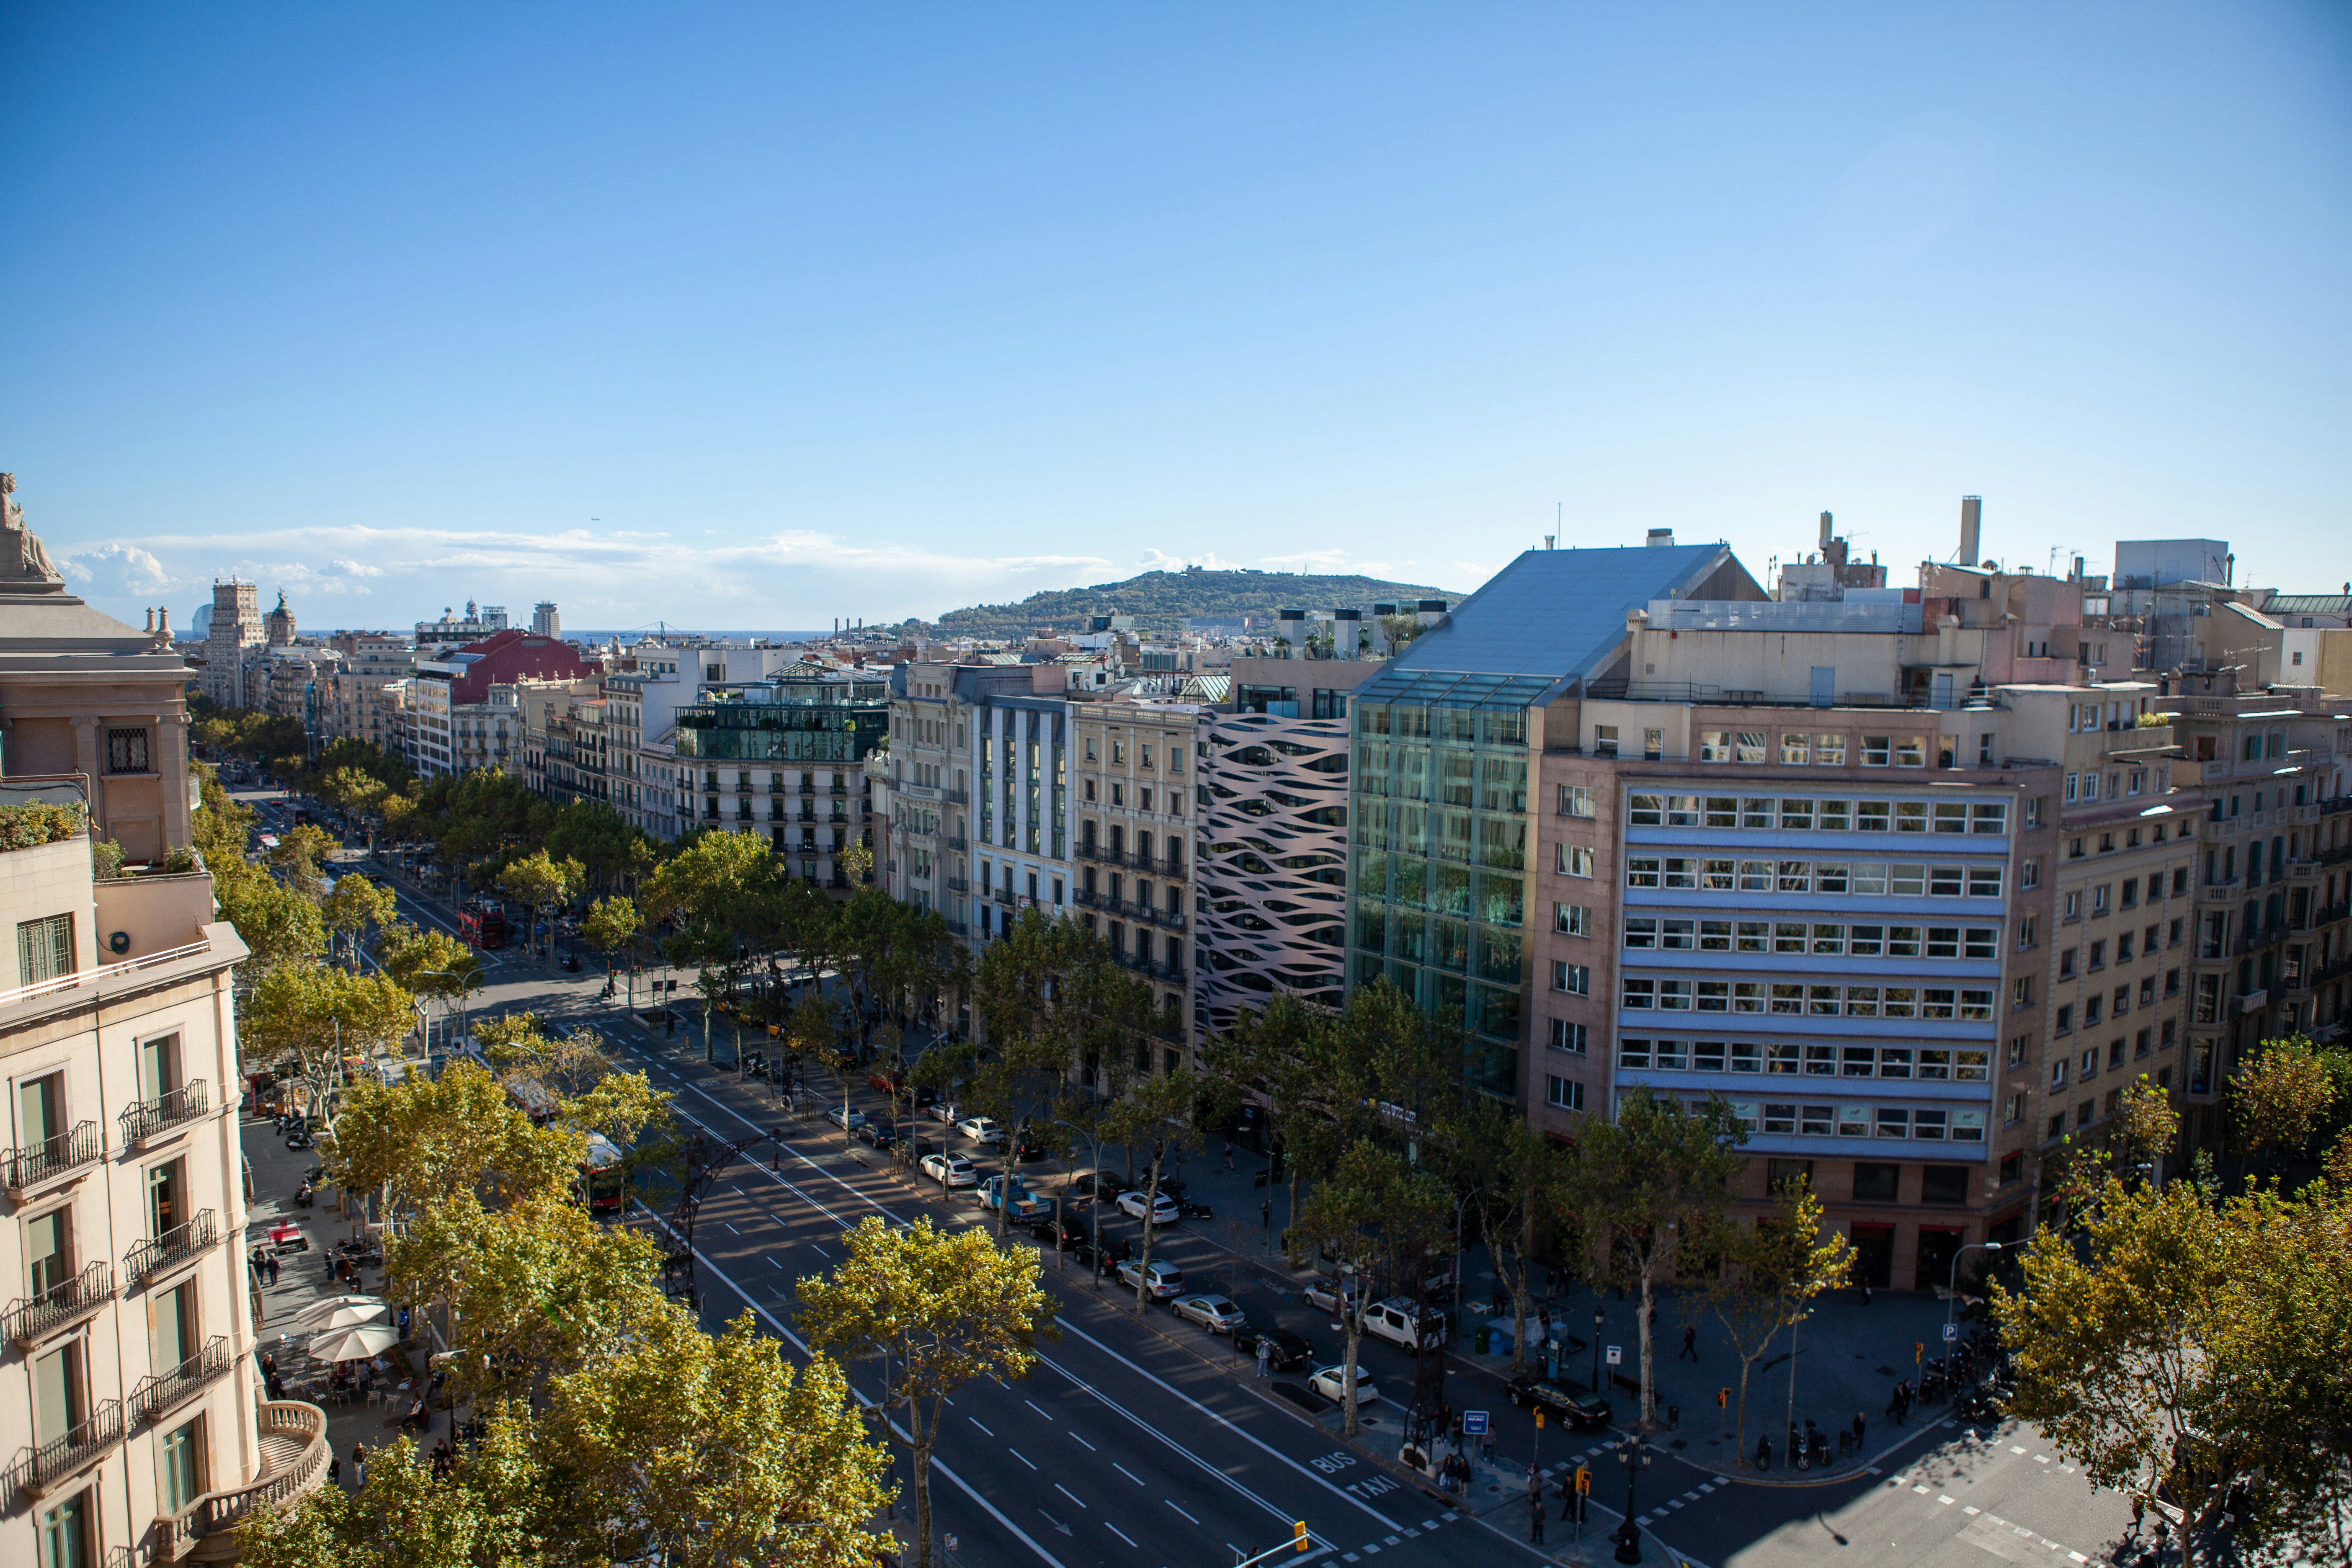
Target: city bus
<point>604,1174</point>
<point>482,926</point>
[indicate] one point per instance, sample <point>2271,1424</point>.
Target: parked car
<point>1289,1350</point>
<point>945,1110</point>
<point>1028,1148</point>
<point>1328,1380</point>
<point>1325,1292</point>
<point>1073,1233</point>
<point>1395,1318</point>
<point>982,1128</point>
<point>1562,1398</point>
<point>1218,1314</point>
<point>848,1118</point>
<point>950,1171</point>
<point>1115,1250</point>
<point>1166,1280</point>
<point>1014,1196</point>
<point>915,1148</point>
<point>889,1082</point>
<point>1163,1211</point>
<point>872,1135</point>
<point>1096,1184</point>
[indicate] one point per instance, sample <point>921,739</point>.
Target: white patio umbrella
<point>347,1315</point>
<point>316,1314</point>
<point>353,1344</point>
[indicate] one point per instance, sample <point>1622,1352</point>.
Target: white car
<point>1218,1314</point>
<point>1166,1281</point>
<point>1163,1212</point>
<point>848,1118</point>
<point>1393,1320</point>
<point>1329,1382</point>
<point>982,1128</point>
<point>950,1171</point>
<point>945,1110</point>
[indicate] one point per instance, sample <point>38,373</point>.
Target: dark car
<point>912,1148</point>
<point>876,1135</point>
<point>1096,1184</point>
<point>1289,1350</point>
<point>1562,1399</point>
<point>1073,1233</point>
<point>1115,1250</point>
<point>1026,1148</point>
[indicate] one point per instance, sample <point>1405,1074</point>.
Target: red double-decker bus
<point>482,926</point>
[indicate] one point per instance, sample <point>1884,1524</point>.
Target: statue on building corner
<point>21,554</point>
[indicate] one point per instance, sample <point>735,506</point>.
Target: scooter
<point>1195,1211</point>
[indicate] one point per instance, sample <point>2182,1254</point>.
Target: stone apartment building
<point>1138,764</point>
<point>236,628</point>
<point>462,715</point>
<point>787,759</point>
<point>356,707</point>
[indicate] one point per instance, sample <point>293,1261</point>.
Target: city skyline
<point>824,316</point>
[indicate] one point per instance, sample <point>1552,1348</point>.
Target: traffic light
<point>1540,1420</point>
<point>1722,1398</point>
<point>1583,1477</point>
<point>1299,1534</point>
<point>1918,1350</point>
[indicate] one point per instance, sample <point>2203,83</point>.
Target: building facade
<point>236,628</point>
<point>1138,764</point>
<point>785,758</point>
<point>357,708</point>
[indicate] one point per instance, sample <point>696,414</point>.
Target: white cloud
<point>114,568</point>
<point>776,579</point>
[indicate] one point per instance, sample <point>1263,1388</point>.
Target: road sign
<point>1616,1355</point>
<point>1951,1332</point>
<point>1473,1423</point>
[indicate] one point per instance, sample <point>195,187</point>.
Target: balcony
<point>161,1393</point>
<point>32,1318</point>
<point>293,1459</point>
<point>2228,892</point>
<point>36,1163</point>
<point>2254,1000</point>
<point>956,884</point>
<point>954,797</point>
<point>43,1470</point>
<point>150,1119</point>
<point>148,1259</point>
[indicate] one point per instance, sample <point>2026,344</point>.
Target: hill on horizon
<point>1161,601</point>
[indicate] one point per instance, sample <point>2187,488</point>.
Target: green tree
<point>1382,1218</point>
<point>305,1017</point>
<point>2282,1097</point>
<point>611,926</point>
<point>278,924</point>
<point>1648,1182</point>
<point>943,1308</point>
<point>542,886</point>
<point>1158,1117</point>
<point>1771,1270</point>
<point>354,906</point>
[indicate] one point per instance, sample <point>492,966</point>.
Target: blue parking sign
<point>1473,1423</point>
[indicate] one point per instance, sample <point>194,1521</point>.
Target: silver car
<point>1166,1281</point>
<point>1218,1314</point>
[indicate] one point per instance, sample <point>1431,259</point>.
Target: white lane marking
<point>2015,1449</point>
<point>2040,1459</point>
<point>800,1344</point>
<point>1945,1500</point>
<point>1020,1456</point>
<point>1178,1510</point>
<point>1248,1437</point>
<point>1082,1443</point>
<point>820,1251</point>
<point>975,1421</point>
<point>1123,1470</point>
<point>1117,1532</point>
<point>1068,1493</point>
<point>1033,1404</point>
<point>730,1227</point>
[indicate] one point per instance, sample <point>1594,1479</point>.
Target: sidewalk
<point>303,1278</point>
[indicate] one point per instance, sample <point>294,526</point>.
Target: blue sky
<point>876,310</point>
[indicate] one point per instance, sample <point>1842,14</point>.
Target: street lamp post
<point>1596,1347</point>
<point>1636,1457</point>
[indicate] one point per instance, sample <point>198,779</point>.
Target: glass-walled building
<point>1439,808</point>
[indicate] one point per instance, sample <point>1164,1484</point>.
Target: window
<point>1571,920</point>
<point>1748,746</point>
<point>1715,746</point>
<point>1910,752</point>
<point>1563,1094</point>
<point>126,751</point>
<point>1654,744</point>
<point>1604,739</point>
<point>1567,1036</point>
<point>1944,1183</point>
<point>45,948</point>
<point>1796,749</point>
<point>2063,1022</point>
<point>1877,751</point>
<point>1576,861</point>
<point>1576,979</point>
<point>1575,800</point>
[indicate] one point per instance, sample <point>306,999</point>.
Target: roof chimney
<point>1660,538</point>
<point>1972,523</point>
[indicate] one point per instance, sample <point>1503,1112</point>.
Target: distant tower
<point>545,621</point>
<point>235,626</point>
<point>281,624</point>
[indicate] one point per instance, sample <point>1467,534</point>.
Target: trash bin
<point>1484,1336</point>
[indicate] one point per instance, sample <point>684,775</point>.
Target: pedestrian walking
<point>1690,1343</point>
<point>1487,1444</point>
<point>1866,1292</point>
<point>1857,1430</point>
<point>1458,1433</point>
<point>272,1261</point>
<point>359,1467</point>
<point>1535,1512</point>
<point>1265,1358</point>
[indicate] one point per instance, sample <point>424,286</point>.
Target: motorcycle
<point>1195,1211</point>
